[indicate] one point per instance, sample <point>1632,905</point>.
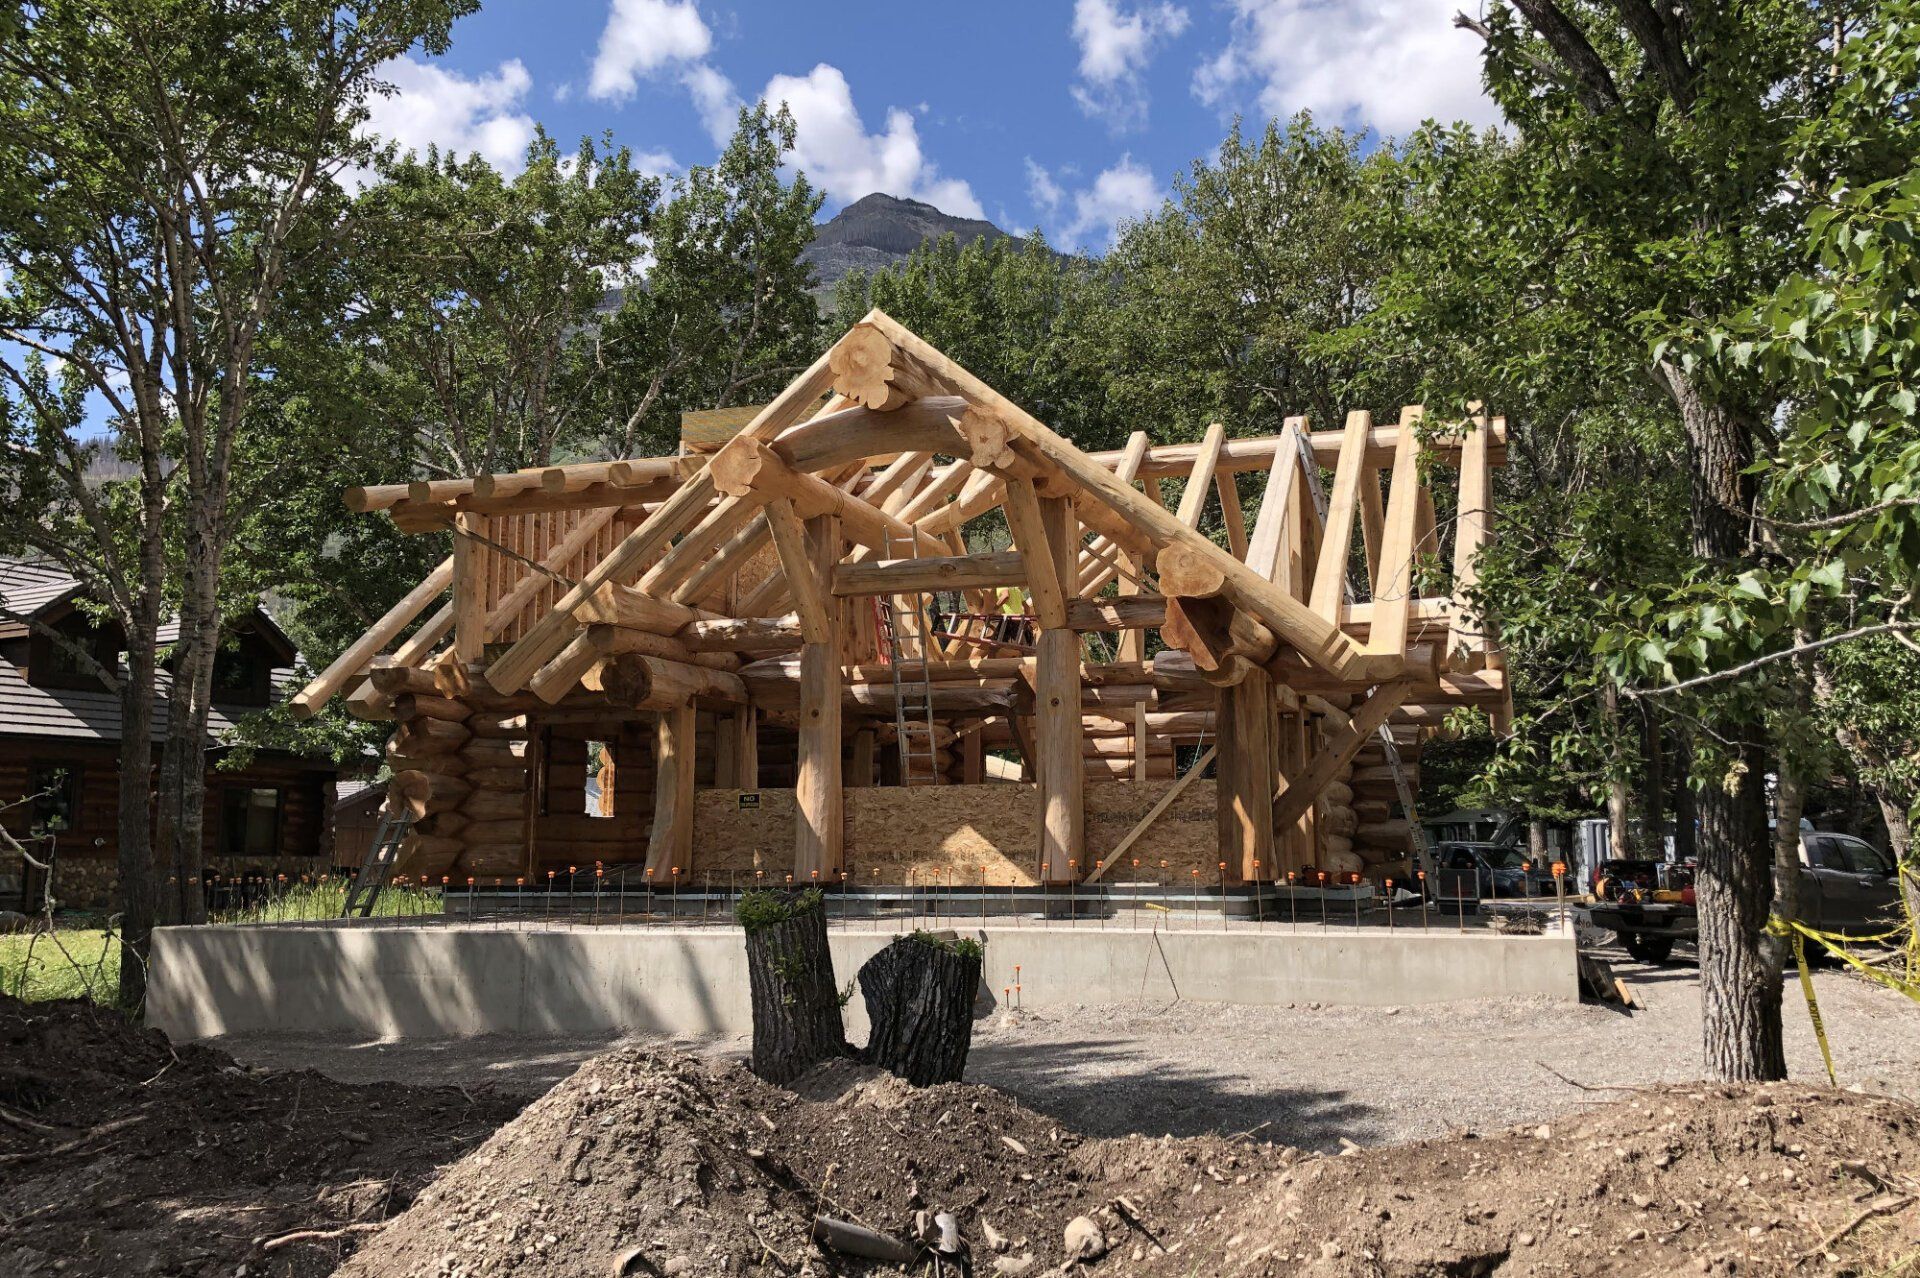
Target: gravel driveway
<point>1305,1075</point>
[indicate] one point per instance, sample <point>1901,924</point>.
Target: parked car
<point>1847,887</point>
<point>1490,870</point>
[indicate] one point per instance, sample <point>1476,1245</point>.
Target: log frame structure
<point>715,621</point>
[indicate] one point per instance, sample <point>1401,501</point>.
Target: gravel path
<point>1304,1075</point>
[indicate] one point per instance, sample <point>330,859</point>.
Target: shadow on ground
<point>1114,1087</point>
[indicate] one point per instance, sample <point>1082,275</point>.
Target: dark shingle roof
<point>29,585</point>
<point>82,714</point>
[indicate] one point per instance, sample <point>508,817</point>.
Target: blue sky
<point>1069,115</point>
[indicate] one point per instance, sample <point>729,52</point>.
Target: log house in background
<point>710,626</point>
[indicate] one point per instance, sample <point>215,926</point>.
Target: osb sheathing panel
<point>923,834</point>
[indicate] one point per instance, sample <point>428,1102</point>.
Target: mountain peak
<point>878,230</point>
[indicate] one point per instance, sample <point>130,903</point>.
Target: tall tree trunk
<point>184,796</point>
<point>1790,799</point>
<point>1653,785</point>
<point>1685,845</point>
<point>1739,981</point>
<point>135,820</point>
<point>1619,832</point>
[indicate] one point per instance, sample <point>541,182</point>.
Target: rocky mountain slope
<point>879,230</point>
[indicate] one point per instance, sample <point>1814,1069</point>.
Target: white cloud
<point>643,37</point>
<point>1387,63</point>
<point>833,146</point>
<point>1115,48</point>
<point>656,163</point>
<point>432,106</point>
<point>1043,189</point>
<point>1091,216</point>
<point>715,100</point>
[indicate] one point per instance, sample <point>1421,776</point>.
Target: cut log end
<point>737,467</point>
<point>865,372</point>
<point>988,438</point>
<point>1186,573</point>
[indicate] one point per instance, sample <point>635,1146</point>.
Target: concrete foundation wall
<point>453,980</point>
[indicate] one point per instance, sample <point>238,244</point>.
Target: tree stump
<point>919,993</point>
<point>796,1009</point>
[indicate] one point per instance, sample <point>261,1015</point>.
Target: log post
<point>469,589</point>
<point>819,829</point>
<point>746,746</point>
<point>671,842</point>
<point>919,993</point>
<point>1245,799</point>
<point>1057,718</point>
<point>796,1007</point>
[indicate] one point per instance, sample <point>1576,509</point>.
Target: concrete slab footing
<point>454,980</point>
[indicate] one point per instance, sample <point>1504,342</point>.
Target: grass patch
<point>69,962</point>
<point>311,902</point>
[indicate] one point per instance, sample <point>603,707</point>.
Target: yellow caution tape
<point>1813,1005</point>
<point>1837,944</point>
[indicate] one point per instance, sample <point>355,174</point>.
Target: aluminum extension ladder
<point>912,699</point>
<point>1423,854</point>
<point>378,866</point>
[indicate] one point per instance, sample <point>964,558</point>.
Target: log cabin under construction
<point>895,629</point>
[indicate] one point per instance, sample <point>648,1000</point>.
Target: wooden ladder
<point>912,699</point>
<point>378,866</point>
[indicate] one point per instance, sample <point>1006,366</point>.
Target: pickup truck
<point>1847,886</point>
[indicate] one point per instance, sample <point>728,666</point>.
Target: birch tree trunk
<point>134,823</point>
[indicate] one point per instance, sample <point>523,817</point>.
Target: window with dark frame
<point>55,788</point>
<point>250,820</point>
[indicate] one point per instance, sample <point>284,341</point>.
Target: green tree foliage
<point>166,168</point>
<point>571,311</point>
<point>481,294</point>
<point>1013,312</point>
<point>723,315</point>
<point>1237,301</point>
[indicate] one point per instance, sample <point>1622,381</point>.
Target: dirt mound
<point>121,1153</point>
<point>1760,1180</point>
<point>699,1167</point>
<point>656,1163</point>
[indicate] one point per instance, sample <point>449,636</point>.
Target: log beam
<point>361,652</point>
<point>1244,803</point>
<point>550,634</point>
<point>1296,794</point>
<point>1393,595</point>
<point>946,572</point>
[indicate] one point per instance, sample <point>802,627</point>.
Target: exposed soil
<point>124,1155</point>
<point>651,1162</point>
<point>705,1169</point>
<point>121,1154</point>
